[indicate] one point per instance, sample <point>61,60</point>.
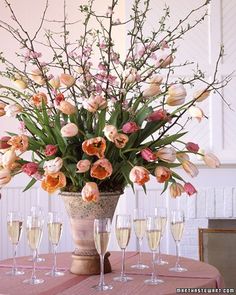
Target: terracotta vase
<point>85,259</point>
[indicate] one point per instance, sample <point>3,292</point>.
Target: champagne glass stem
<point>54,259</point>
<point>140,251</point>
<point>101,282</point>
<point>123,264</point>
<point>153,266</point>
<point>33,276</point>
<point>14,269</point>
<point>177,254</point>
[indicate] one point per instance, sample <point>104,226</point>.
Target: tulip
<point>176,189</point>
<point>155,79</point>
<point>20,142</point>
<point>120,140</point>
<point>13,109</point>
<point>30,168</point>
<point>151,91</point>
<point>129,75</point>
<point>5,176</point>
<point>139,175</point>
<point>67,108</point>
<point>162,174</point>
<point>189,189</point>
<point>38,98</point>
<point>164,60</point>
<point>201,95</point>
<point>167,154</point>
<point>20,83</point>
<point>2,109</point>
<point>83,166</point>
<point>181,156</point>
<point>177,94</point>
<point>50,150</point>
<point>94,147</point>
<point>90,192</point>
<point>211,160</point>
<point>8,159</point>
<point>158,115</point>
<point>37,76</point>
<point>190,168</point>
<point>55,82</point>
<point>110,131</point>
<point>4,142</point>
<point>196,112</point>
<point>148,155</point>
<point>101,169</point>
<point>192,147</point>
<point>130,127</point>
<point>94,103</point>
<point>69,130</point>
<point>53,182</point>
<point>67,80</point>
<point>59,98</point>
<point>53,166</point>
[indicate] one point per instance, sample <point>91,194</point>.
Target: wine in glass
<point>161,217</point>
<point>14,229</point>
<point>139,229</point>
<point>153,232</point>
<point>177,228</point>
<point>102,230</point>
<point>54,235</point>
<point>123,229</point>
<point>34,229</point>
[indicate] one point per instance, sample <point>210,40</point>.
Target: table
<point>200,275</point>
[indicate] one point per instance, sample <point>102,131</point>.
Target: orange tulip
<point>176,189</point>
<point>38,98</point>
<point>120,140</point>
<point>94,147</point>
<point>53,182</point>
<point>90,192</point>
<point>162,174</point>
<point>101,169</point>
<point>190,168</point>
<point>20,142</point>
<point>139,175</point>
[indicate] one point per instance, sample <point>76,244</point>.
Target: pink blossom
<point>189,188</point>
<point>192,147</point>
<point>148,155</point>
<point>50,150</point>
<point>30,168</point>
<point>130,127</point>
<point>102,67</point>
<point>102,45</point>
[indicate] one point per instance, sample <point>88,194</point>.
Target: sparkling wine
<point>54,232</point>
<point>139,227</point>
<point>101,240</point>
<point>161,221</point>
<point>34,235</point>
<point>14,229</point>
<point>177,230</point>
<point>123,236</point>
<point>153,237</point>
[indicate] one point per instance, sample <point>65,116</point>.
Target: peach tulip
<point>101,169</point>
<point>196,112</point>
<point>37,76</point>
<point>95,103</point>
<point>164,60</point>
<point>53,166</point>
<point>151,90</point>
<point>139,175</point>
<point>211,160</point>
<point>53,182</point>
<point>90,192</point>
<point>20,83</point>
<point>5,176</point>
<point>162,174</point>
<point>110,132</point>
<point>83,166</point>
<point>129,75</point>
<point>19,142</point>
<point>167,154</point>
<point>67,108</point>
<point>176,189</point>
<point>2,109</point>
<point>8,159</point>
<point>120,140</point>
<point>13,109</point>
<point>55,82</point>
<point>94,147</point>
<point>177,94</point>
<point>69,130</point>
<point>181,156</point>
<point>67,80</point>
<point>201,94</point>
<point>190,168</point>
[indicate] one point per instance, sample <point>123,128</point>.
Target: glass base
<point>38,259</point>
<point>15,272</point>
<point>123,279</point>
<point>178,269</point>
<point>33,281</point>
<point>139,266</point>
<point>102,287</point>
<point>161,262</point>
<point>55,273</point>
<point>153,282</point>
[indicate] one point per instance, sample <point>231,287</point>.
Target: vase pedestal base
<point>89,264</point>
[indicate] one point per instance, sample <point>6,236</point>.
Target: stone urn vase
<point>85,259</point>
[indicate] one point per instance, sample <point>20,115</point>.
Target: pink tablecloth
<point>199,275</point>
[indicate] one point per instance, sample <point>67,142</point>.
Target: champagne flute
<point>102,230</point>
<point>161,215</point>
<point>34,235</point>
<point>123,229</point>
<point>139,229</point>
<point>153,236</point>
<point>14,229</point>
<point>177,227</point>
<point>54,235</point>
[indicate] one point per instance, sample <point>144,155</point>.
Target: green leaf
<point>175,175</point>
<point>62,144</point>
<point>102,122</point>
<point>142,114</point>
<point>31,126</point>
<point>30,184</point>
<point>165,187</point>
<point>167,140</point>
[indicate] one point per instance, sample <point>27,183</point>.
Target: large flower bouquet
<point>94,122</point>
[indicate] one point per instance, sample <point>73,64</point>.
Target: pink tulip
<point>83,166</point>
<point>211,160</point>
<point>192,147</point>
<point>176,189</point>
<point>167,154</point>
<point>5,176</point>
<point>50,150</point>
<point>148,155</point>
<point>69,130</point>
<point>101,169</point>
<point>67,80</point>
<point>190,168</point>
<point>90,192</point>
<point>3,142</point>
<point>189,189</point>
<point>30,168</point>
<point>139,175</point>
<point>130,127</point>
<point>158,115</point>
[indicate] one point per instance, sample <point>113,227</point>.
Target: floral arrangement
<point>94,122</point>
